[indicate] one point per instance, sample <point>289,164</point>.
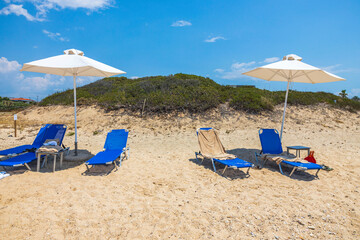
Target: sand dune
<point>162,192</point>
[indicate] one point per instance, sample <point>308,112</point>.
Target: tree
<point>356,98</point>
<point>343,94</point>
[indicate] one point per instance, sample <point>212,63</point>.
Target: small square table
<point>298,149</point>
<point>55,154</point>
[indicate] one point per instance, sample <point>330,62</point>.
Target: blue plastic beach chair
<point>114,149</point>
<point>235,163</point>
<point>271,145</point>
<point>39,140</point>
<point>49,131</point>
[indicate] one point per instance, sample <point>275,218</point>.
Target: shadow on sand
<point>100,170</point>
<point>48,167</point>
<point>230,173</point>
<point>249,156</point>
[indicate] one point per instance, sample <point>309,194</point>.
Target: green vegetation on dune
<point>182,92</point>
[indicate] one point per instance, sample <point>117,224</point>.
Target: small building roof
<point>22,99</point>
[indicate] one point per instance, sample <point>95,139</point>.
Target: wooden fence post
<point>142,111</point>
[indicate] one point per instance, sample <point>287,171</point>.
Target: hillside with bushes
<point>7,105</point>
<point>183,92</point>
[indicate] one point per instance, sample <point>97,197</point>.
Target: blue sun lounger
<point>38,142</point>
<point>114,149</point>
<point>271,145</point>
<point>214,142</point>
<point>51,131</point>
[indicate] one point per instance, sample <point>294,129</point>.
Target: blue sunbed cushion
<point>39,139</point>
<point>105,157</point>
<point>48,131</point>
<point>237,162</point>
<point>303,165</point>
<point>55,131</point>
<point>116,139</point>
<point>270,141</point>
<point>19,160</point>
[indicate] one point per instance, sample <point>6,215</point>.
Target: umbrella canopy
<point>71,63</point>
<point>292,69</point>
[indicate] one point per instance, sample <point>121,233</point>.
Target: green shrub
<point>7,105</point>
<point>183,92</point>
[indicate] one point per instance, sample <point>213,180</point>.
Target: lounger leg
<point>293,171</point>
<point>120,161</point>
<point>224,169</point>
<point>202,158</point>
<point>247,172</point>
<point>38,163</point>
<point>213,165</point>
<point>61,159</point>
<point>27,166</point>
<point>54,163</point>
<point>316,174</point>
<point>87,168</point>
<point>281,169</point>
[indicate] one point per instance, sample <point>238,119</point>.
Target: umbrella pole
<point>283,119</point>
<point>76,153</point>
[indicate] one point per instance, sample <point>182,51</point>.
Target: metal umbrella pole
<point>283,119</point>
<point>76,153</point>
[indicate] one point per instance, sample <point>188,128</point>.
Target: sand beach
<point>162,192</point>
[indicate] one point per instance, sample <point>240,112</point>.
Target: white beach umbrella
<point>291,69</point>
<point>72,63</point>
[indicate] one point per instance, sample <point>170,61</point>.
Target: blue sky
<point>219,39</point>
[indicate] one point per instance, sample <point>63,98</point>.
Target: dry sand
<point>161,192</point>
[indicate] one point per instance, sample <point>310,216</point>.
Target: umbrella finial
<point>73,52</point>
<point>292,57</point>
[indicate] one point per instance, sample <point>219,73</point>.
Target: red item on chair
<point>311,158</point>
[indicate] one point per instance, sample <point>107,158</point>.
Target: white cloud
<point>134,77</point>
<point>337,69</point>
<point>8,66</point>
<point>91,5</point>
<point>55,36</point>
<point>44,6</point>
<point>239,66</point>
<point>181,23</point>
<point>81,81</point>
<point>214,39</point>
<point>48,84</point>
<point>18,10</point>
<point>219,70</point>
<point>236,70</point>
<point>272,59</point>
<point>38,84</point>
<point>74,4</point>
